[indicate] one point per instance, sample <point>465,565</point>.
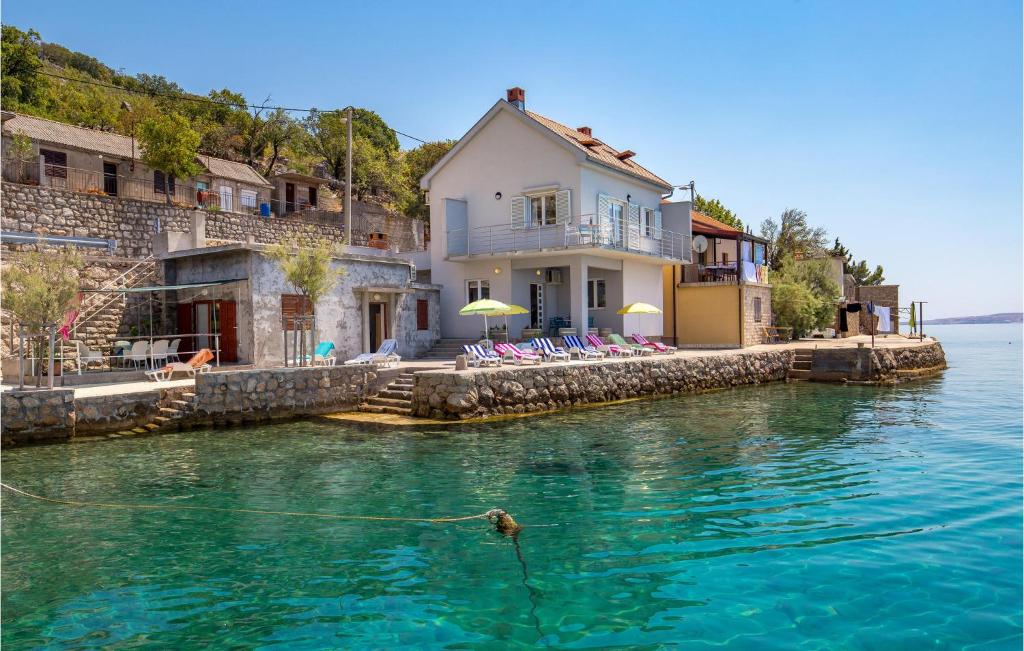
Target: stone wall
<point>518,390</point>
<point>101,414</point>
<point>885,295</point>
<point>37,416</point>
<point>877,366</point>
<point>753,330</point>
<point>236,397</point>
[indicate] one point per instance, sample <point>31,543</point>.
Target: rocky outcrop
<point>518,390</point>
<point>37,416</point>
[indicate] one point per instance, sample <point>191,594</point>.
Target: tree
<point>804,295</point>
<point>21,153</point>
<point>328,140</point>
<point>791,236</point>
<point>20,64</point>
<point>307,268</point>
<point>417,162</point>
<point>170,145</point>
<point>375,151</point>
<point>713,208</point>
<point>281,131</point>
<point>40,288</point>
<point>862,274</point>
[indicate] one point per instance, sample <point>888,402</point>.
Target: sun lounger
<point>549,350</point>
<point>477,355</point>
<point>583,351</point>
<point>324,354</point>
<point>611,349</point>
<point>385,355</point>
<point>656,346</point>
<point>636,348</point>
<point>198,364</point>
<point>511,352</point>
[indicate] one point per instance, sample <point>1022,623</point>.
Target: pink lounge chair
<point>611,349</point>
<point>656,345</point>
<point>510,351</point>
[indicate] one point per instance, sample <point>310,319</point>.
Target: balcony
<point>587,232</point>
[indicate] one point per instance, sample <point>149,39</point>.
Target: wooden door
<point>289,197</point>
<point>378,324</point>
<point>110,179</point>
<point>185,348</point>
<point>227,320</point>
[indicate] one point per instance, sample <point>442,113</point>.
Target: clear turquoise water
<point>777,517</point>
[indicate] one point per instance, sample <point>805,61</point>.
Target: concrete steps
<point>803,361</point>
<point>395,398</point>
<point>446,349</point>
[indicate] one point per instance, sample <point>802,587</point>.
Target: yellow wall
<point>705,314</point>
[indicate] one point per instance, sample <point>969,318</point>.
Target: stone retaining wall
<point>527,389</point>
<point>880,365</point>
<point>37,416</point>
<point>278,393</point>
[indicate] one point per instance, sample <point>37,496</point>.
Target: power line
<point>206,100</point>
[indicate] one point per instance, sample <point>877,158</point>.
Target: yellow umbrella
<point>639,308</point>
<point>511,311</point>
<point>485,307</point>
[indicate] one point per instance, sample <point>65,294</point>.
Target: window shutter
<point>634,214</point>
<point>158,181</point>
<point>518,216</point>
<point>602,208</point>
<point>657,224</point>
<point>563,207</point>
<point>422,315</point>
<point>633,229</point>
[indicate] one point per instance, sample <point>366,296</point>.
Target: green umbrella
<point>485,307</point>
<point>913,317</point>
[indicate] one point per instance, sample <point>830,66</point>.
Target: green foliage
<point>307,268</point>
<point>792,237</point>
<point>804,295</point>
<point>713,208</point>
<point>20,65</point>
<point>20,151</point>
<point>862,274</point>
<point>41,286</point>
<point>170,145</point>
<point>417,163</point>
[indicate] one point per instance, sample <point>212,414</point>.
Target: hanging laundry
<point>843,325</point>
<point>884,320</point>
<point>853,307</point>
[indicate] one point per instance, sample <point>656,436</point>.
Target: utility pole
<point>348,176</point>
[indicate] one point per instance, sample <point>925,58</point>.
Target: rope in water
<point>493,513</point>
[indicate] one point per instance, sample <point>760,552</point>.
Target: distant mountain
<point>1002,317</point>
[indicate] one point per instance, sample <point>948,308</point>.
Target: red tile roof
<point>704,225</point>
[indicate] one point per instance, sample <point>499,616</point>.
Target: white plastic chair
<point>139,353</point>
<point>172,350</point>
<point>159,352</point>
<point>87,356</point>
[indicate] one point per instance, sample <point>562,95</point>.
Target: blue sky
<point>897,126</point>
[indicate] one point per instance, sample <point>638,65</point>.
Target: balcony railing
<point>588,231</point>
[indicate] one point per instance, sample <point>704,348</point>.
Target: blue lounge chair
<point>581,350</point>
<point>324,354</point>
<point>550,351</point>
<point>477,355</point>
<point>385,355</point>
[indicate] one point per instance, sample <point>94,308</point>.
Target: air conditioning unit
<point>553,276</point>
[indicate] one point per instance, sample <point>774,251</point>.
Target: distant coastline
<point>1002,317</point>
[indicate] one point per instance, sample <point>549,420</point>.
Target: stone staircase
<point>802,362</point>
<point>175,407</point>
<point>396,398</point>
<point>446,349</point>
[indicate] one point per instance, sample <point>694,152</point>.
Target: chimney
<point>585,131</point>
<point>517,97</point>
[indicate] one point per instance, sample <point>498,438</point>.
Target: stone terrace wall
<point>236,397</point>
<point>878,366</point>
<point>527,389</point>
<point>37,416</point>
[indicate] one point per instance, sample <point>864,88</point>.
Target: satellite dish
<point>700,244</point>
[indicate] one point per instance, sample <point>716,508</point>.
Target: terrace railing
<point>587,231</point>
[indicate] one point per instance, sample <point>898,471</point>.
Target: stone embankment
<point>876,366</point>
<point>529,389</point>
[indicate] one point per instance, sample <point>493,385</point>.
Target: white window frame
<point>593,293</point>
<point>227,198</point>
<point>479,284</point>
<point>617,235</point>
<point>648,221</point>
<point>245,195</point>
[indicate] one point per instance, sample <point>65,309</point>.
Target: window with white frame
<point>596,294</point>
<point>542,210</point>
<point>648,221</point>
<point>615,221</point>
<point>248,199</point>
<point>477,290</point>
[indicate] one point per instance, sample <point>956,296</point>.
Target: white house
<point>528,211</point>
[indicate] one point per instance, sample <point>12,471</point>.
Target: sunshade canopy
<point>157,288</point>
<point>639,308</point>
<point>484,307</point>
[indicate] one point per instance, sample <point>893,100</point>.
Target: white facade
<point>519,209</point>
